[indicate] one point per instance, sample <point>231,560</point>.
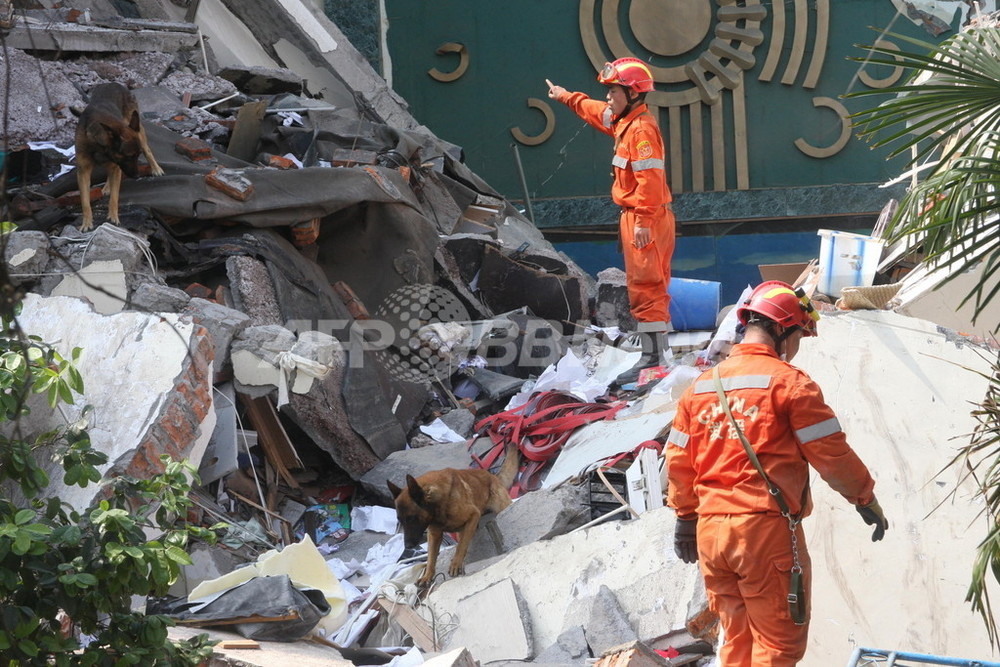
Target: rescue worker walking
<point>646,224</point>
<point>746,536</point>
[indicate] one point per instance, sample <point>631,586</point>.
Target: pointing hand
<point>554,90</point>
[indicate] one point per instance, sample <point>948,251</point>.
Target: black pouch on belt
<point>797,598</point>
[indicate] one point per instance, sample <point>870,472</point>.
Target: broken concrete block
<point>121,266</point>
<point>148,376</point>
<point>570,648</point>
<point>539,515</point>
<point>414,462</point>
<point>254,80</point>
<point>253,290</point>
<point>271,356</point>
<point>26,254</point>
<point>230,182</point>
<point>156,298</point>
<point>201,86</point>
<point>507,635</point>
<point>101,284</point>
<point>222,323</point>
<point>254,355</point>
<point>632,654</point>
<point>608,624</point>
<point>460,421</point>
<point>702,623</point>
<point>612,306</point>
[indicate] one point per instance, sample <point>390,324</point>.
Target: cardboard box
<point>788,273</point>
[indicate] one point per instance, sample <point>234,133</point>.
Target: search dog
<point>451,500</point>
<point>110,134</point>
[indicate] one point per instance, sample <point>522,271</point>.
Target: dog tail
<point>511,462</point>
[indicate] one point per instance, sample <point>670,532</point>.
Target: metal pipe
<point>524,183</point>
<point>894,656</point>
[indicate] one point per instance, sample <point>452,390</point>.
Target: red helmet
<point>629,72</point>
<point>777,301</point>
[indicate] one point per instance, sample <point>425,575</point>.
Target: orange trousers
<point>746,561</point>
<point>647,270</point>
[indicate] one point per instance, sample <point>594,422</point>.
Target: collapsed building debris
<point>312,284</point>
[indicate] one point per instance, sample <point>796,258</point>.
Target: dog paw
<point>456,570</point>
<point>87,224</point>
<point>156,170</point>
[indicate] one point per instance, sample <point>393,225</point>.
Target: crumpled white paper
<point>570,375</point>
<point>441,432</point>
<point>374,517</point>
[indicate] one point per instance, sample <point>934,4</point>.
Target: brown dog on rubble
<point>451,500</point>
<point>110,134</point>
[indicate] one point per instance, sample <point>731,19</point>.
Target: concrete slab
<point>149,378</point>
<point>902,391</point>
<point>559,578</point>
<point>64,37</point>
<point>503,635</point>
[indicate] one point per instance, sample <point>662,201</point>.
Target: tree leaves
<point>946,114</point>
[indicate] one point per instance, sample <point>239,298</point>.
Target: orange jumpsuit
<point>640,188</point>
<point>744,544</point>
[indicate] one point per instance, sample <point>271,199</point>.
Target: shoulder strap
<point>771,488</point>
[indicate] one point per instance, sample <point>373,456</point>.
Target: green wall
<point>515,45</point>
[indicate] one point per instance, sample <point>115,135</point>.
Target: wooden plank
<point>271,436</point>
<point>238,644</point>
<point>418,629</point>
<point>246,134</point>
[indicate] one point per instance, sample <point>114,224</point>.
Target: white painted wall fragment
<point>132,364</point>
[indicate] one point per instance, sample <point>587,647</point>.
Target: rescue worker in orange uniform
<point>727,520</point>
<point>646,224</point>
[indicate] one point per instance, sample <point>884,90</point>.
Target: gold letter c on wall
<point>550,124</point>
<point>463,62</point>
<point>845,130</point>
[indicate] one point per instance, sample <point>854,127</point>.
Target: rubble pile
<point>350,302</point>
<point>312,301</point>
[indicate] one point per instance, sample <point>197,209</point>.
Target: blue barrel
<point>694,304</point>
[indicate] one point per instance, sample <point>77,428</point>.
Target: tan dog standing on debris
<point>110,133</point>
<point>451,500</point>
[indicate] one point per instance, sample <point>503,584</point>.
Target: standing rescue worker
<point>646,225</point>
<point>727,520</point>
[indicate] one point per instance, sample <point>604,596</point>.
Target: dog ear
<point>416,492</point>
<point>133,121</point>
<point>100,134</point>
<point>393,489</point>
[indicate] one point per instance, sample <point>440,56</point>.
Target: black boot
<point>653,345</point>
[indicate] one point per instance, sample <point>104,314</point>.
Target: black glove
<point>873,516</point>
<point>686,540</point>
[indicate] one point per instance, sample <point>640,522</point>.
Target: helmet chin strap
<point>631,98</point>
<point>780,338</point>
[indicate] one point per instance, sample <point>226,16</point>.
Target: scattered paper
<point>441,432</point>
<point>374,517</point>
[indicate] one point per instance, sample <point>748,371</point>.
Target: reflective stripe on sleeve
<point>678,438</point>
<point>649,163</point>
<point>734,382</point>
<point>619,161</point>
<point>817,431</point>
